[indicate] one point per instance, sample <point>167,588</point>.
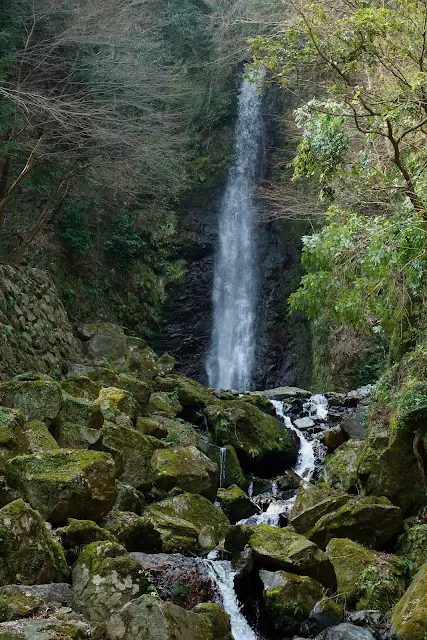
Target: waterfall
<point>222,466</point>
<point>235,293</point>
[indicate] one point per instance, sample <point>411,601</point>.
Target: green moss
<point>340,469</point>
<point>113,401</point>
<point>81,387</point>
<point>135,533</point>
<point>409,618</point>
<point>163,404</point>
<point>79,533</point>
<point>39,437</point>
<point>15,604</point>
<point>37,399</point>
<point>261,402</point>
<point>412,546</point>
<point>189,392</point>
<point>186,468</point>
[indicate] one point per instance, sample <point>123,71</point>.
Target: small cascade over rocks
<point>222,469</point>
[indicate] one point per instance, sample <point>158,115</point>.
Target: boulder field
<point>110,502</point>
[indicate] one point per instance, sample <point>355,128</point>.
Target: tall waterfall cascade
<point>231,358</point>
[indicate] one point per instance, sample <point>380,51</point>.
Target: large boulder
<point>150,618</point>
<point>27,601</point>
<point>39,438</point>
<point>312,503</point>
<point>78,424</point>
<point>79,533</point>
<point>188,522</point>
<point>113,402</point>
<point>81,387</point>
<point>135,533</point>
<point>263,444</point>
<point>283,549</point>
<point>66,483</point>
<point>186,469</point>
<point>369,521</point>
<point>105,578</point>
<point>345,631</point>
<point>366,579</point>
<point>409,617</point>
<point>64,626</point>
<point>38,397</point>
<point>104,340</point>
<point>236,504</point>
<point>140,390</point>
<point>163,404</point>
<point>340,469</point>
<point>132,452</point>
<point>13,439</point>
<point>288,600</point>
<point>28,552</point>
<point>190,393</point>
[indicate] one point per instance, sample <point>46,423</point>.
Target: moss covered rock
<point>39,438</point>
<point>231,471</point>
<point>141,362</point>
<point>312,503</point>
<point>150,618</point>
<point>217,618</point>
<point>135,533</point>
<point>259,400</point>
<point>263,444</point>
<point>66,627</point>
<point>29,554</point>
<point>412,545</point>
<point>283,549</point>
<point>113,401</point>
<point>140,390</point>
<point>81,387</point>
<point>105,578</point>
<point>288,600</point>
<point>369,521</point>
<point>236,504</point>
<point>185,468</point>
<point>340,469</point>
<point>79,533</point>
<point>132,452</point>
<point>16,604</point>
<point>188,522</point>
<point>409,617</point>
<point>81,411</point>
<point>189,392</point>
<point>39,399</point>
<point>163,404</point>
<point>366,579</point>
<point>66,483</point>
<point>128,498</point>
<point>13,439</point>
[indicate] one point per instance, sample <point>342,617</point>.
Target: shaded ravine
<point>231,357</point>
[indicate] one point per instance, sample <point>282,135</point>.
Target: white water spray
<point>235,293</point>
<point>222,466</point>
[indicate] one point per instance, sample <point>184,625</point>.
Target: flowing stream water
<point>235,293</point>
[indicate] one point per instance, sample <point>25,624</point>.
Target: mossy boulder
<point>135,533</point>
<point>288,600</point>
<point>156,426</point>
<point>79,533</point>
<point>366,579</point>
<point>81,387</point>
<point>189,392</point>
<point>283,549</point>
<point>236,504</point>
<point>340,469</point>
<point>105,578</point>
<point>140,390</point>
<point>165,364</point>
<point>150,618</point>
<point>325,613</point>
<point>188,522</point>
<point>232,472</point>
<point>75,436</point>
<point>259,400</point>
<point>128,498</point>
<point>289,481</point>
<point>217,618</point>
<point>412,545</point>
<point>13,439</point>
<point>29,554</point>
<point>263,444</point>
<point>81,411</point>
<point>16,604</point>
<point>141,363</point>
<point>312,503</point>
<point>67,626</point>
<point>409,618</point>
<point>39,399</point>
<point>66,483</point>
<point>132,452</point>
<point>163,404</point>
<point>113,401</point>
<point>104,340</point>
<point>185,468</point>
<point>101,373</point>
<point>369,521</point>
<point>39,437</point>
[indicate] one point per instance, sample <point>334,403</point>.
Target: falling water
<point>235,294</point>
<point>222,466</point>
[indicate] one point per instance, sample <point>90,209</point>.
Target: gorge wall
<point>35,334</point>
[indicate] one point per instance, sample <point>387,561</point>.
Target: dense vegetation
<point>362,136</point>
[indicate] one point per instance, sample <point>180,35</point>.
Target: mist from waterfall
<point>231,357</point>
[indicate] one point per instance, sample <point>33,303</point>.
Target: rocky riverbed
<point>136,503</point>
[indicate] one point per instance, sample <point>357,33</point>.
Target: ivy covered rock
<point>132,452</point>
<point>187,469</point>
<point>188,522</point>
<point>409,617</point>
<point>263,444</point>
<point>105,578</point>
<point>340,469</point>
<point>189,392</point>
<point>366,579</point>
<point>150,618</point>
<point>283,549</point>
<point>13,439</point>
<point>312,503</point>
<point>38,399</point>
<point>236,504</point>
<point>369,521</point>
<point>79,533</point>
<point>113,401</point>
<point>66,483</point>
<point>288,600</point>
<point>28,552</point>
<point>135,533</point>
<point>39,438</point>
<point>163,404</point>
